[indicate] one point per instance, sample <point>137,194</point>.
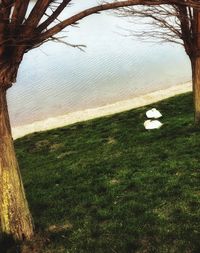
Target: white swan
<point>152,124</point>
<point>153,113</point>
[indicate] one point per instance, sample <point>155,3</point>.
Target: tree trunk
<point>15,218</point>
<point>196,88</point>
<point>195,61</point>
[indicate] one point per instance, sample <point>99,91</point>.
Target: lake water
<point>55,79</point>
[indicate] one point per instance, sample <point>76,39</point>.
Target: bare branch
<point>59,27</point>
<point>18,35</point>
<point>54,16</point>
<point>19,12</point>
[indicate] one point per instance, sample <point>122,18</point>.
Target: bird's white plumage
<point>153,114</point>
<point>152,124</point>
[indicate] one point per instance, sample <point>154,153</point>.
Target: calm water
<point>56,79</point>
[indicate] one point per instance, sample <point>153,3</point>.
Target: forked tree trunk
<point>196,88</point>
<point>15,218</point>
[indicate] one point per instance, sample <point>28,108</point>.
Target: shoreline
<point>117,107</point>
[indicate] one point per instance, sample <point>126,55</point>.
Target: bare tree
<point>173,23</point>
<point>21,31</point>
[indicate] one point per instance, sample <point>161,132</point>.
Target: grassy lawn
<point>109,186</point>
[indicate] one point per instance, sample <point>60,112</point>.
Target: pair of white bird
<point>153,124</point>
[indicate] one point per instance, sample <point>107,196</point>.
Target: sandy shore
<point>84,115</point>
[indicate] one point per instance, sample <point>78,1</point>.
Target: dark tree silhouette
<point>22,30</point>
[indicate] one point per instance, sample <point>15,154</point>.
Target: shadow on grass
<point>8,244</point>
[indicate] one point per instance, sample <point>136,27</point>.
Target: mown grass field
<point>110,186</point>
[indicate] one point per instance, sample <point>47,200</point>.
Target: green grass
<point>109,186</point>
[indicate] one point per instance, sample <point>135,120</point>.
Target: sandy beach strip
<point>106,110</point>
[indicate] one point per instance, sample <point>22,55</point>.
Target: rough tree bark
<point>196,88</point>
<point>195,62</point>
<point>15,218</point>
